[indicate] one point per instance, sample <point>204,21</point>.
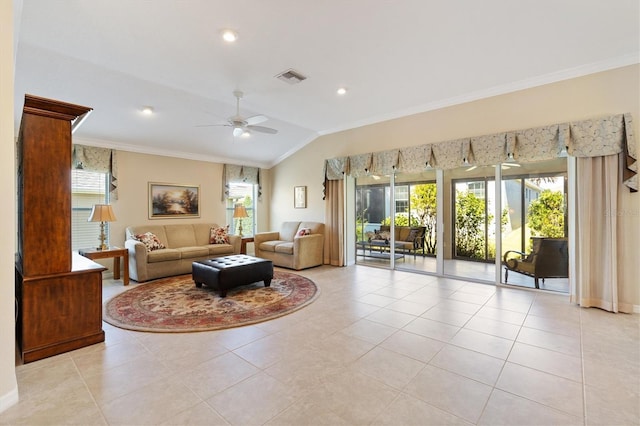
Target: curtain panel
<point>101,160</point>
<point>588,138</point>
<point>232,173</point>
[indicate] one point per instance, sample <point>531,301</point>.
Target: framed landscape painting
<point>167,200</point>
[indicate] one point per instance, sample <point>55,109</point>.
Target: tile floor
<point>378,347</point>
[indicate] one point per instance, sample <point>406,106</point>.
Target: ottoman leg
<point>267,282</point>
<point>223,292</point>
<point>199,285</point>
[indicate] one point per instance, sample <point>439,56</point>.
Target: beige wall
<point>605,93</point>
<point>135,171</point>
<point>8,385</point>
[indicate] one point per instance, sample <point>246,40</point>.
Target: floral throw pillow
<point>150,240</point>
<point>219,235</point>
<point>303,232</point>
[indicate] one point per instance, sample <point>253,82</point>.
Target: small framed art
<point>300,197</point>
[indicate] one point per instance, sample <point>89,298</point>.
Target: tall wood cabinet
<point>58,293</point>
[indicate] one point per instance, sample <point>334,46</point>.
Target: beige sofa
<point>184,244</point>
<point>285,248</point>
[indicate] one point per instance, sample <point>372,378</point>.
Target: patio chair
<point>548,259</point>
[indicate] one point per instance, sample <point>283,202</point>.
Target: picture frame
<point>300,197</point>
<point>173,201</point>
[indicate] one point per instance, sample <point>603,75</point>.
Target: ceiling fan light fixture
<point>147,110</point>
<point>229,36</point>
<point>341,91</point>
<point>245,134</point>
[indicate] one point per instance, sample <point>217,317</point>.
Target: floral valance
<point>102,160</point>
<point>589,138</point>
<point>232,173</point>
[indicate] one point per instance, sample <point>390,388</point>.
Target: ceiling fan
<point>243,126</point>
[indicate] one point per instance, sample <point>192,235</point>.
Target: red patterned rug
<point>176,305</point>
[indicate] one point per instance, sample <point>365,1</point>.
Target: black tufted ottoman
<point>223,273</point>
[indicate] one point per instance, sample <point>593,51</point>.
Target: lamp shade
<point>239,211</point>
<point>102,213</point>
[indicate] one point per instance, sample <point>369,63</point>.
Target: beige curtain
<point>334,223</point>
<point>597,244</point>
<point>95,159</point>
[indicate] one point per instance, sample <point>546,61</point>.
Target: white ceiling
<point>396,57</point>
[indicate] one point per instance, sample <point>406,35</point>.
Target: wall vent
<point>291,76</point>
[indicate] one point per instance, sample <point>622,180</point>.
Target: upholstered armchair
<point>297,245</point>
<point>549,258</point>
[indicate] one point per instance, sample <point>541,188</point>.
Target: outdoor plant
<point>546,214</point>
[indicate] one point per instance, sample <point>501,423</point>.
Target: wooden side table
<point>243,245</point>
<point>111,252</point>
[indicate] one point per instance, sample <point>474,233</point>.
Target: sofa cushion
<point>286,248</point>
<point>180,236</point>
<point>191,252</point>
<point>218,249</point>
<point>163,255</point>
<point>412,235</point>
<point>219,235</point>
<point>270,245</point>
<point>150,241</point>
<point>288,230</point>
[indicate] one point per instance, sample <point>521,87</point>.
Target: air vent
<point>291,76</point>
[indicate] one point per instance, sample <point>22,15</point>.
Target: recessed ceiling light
<point>341,91</point>
<point>147,110</point>
<point>229,36</point>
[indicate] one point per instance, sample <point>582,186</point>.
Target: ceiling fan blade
<point>263,129</point>
<point>212,125</point>
<point>256,119</point>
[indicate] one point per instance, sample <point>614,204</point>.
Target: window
<point>245,194</point>
<point>87,189</point>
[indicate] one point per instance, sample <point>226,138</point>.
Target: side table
<point>111,252</point>
<point>243,245</point>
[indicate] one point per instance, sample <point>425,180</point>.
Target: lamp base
<point>240,229</point>
<point>103,238</point>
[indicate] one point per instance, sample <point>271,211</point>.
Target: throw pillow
<point>413,234</point>
<point>150,240</point>
<point>303,232</point>
<point>219,235</point>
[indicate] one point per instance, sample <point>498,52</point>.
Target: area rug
<point>176,305</point>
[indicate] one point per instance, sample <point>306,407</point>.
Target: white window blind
<point>87,189</point>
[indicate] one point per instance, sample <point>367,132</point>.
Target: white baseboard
<point>9,399</point>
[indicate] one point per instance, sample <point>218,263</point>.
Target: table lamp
<point>239,212</point>
<point>102,213</point>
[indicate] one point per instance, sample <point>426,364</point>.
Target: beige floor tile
<point>109,356</point>
<point>253,401</point>
<point>467,363</point>
<point>201,414</point>
<point>604,375</point>
<point>407,410</point>
<point>304,368</point>
<point>413,345</point>
<point>478,299</point>
<point>546,360</point>
<point>264,352</point>
<point>391,318</point>
<point>459,306</point>
<point>493,327</point>
<point>485,343</point>
<point>450,392</point>
<point>211,377</point>
<point>411,308</point>
<point>308,411</point>
<point>553,391</point>
<point>432,329</point>
<point>506,409</point>
<point>151,404</point>
<point>391,368</point>
<point>447,316</point>
<point>509,304</point>
<point>393,292</point>
<point>108,385</point>
<point>556,342</point>
<point>612,406</point>
<point>503,315</point>
<point>369,331</point>
<point>233,338</point>
<point>355,397</point>
<point>377,300</point>
<point>558,326</point>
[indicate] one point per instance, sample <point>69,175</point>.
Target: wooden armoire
<point>58,292</point>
